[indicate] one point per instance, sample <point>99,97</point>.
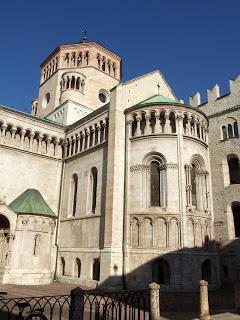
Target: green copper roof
<point>31,202</point>
<point>159,99</point>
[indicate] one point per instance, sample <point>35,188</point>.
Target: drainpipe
<point>58,217</point>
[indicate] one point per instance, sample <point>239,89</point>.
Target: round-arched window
<point>46,100</point>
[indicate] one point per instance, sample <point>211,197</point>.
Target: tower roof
<point>159,99</point>
<point>31,202</point>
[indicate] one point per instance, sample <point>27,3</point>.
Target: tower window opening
<point>234,170</point>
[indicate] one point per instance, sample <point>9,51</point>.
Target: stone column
<point>204,304</point>
<point>4,128</point>
<point>23,131</point>
<point>31,140</point>
<point>73,146</point>
<point>98,133</point>
<point>83,141</point>
<point>40,137</point>
<point>104,131</point>
<point>88,138</point>
<point>167,123</point>
<point>78,139</point>
<point>181,178</point>
<point>138,131</point>
<point>157,126</point>
<point>76,311</point>
<point>148,129</point>
<point>13,132</point>
<point>189,125</point>
<point>129,124</point>
<point>154,301</point>
<point>48,141</point>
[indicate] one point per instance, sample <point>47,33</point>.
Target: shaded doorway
<point>206,271</point>
<point>161,272</point>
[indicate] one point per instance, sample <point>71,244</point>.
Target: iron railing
<point>53,307</point>
<point>81,305</point>
<point>122,305</point>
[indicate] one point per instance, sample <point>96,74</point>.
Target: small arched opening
<point>236,218</point>
<point>206,270</point>
<point>77,268</point>
<point>161,272</point>
<point>62,266</point>
<point>96,269</point>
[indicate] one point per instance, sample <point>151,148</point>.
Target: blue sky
<point>195,44</point>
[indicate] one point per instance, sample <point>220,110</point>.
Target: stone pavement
<point>55,288</point>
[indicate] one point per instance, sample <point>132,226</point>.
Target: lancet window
<point>234,169</point>
<point>156,179</point>
<point>197,184</point>
<point>93,189</point>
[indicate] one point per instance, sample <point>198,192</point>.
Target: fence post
<point>237,295</point>
<point>154,301</point>
<point>76,311</point>
<point>204,304</point>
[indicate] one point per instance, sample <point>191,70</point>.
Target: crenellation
<point>235,85</point>
<point>214,93</point>
<point>195,101</point>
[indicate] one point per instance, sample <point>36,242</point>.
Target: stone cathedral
<point>116,184</point>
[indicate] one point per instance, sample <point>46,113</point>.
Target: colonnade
<point>159,232</point>
<point>165,121</point>
<point>106,65</point>
<point>87,137</point>
<point>30,140</point>
<point>50,68</point>
<point>76,59</point>
<point>72,81</point>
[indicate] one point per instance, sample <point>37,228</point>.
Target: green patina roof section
<point>159,99</point>
<point>31,202</point>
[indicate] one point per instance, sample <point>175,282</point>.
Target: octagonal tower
<point>81,73</point>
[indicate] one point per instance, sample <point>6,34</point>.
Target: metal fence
<point>53,307</point>
<point>81,305</point>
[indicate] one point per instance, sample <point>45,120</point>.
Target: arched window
<point>161,272</point>
<point>4,223</point>
<point>230,131</point>
<point>236,218</point>
<point>194,186</point>
<point>96,269</point>
<point>206,270</point>
<point>77,268</point>
<point>234,170</point>
<point>78,83</point>
<point>36,246</point>
<point>224,133</point>
<point>172,122</point>
<point>225,272</point>
<point>62,266</point>
<point>93,189</point>
<point>155,184</point>
<point>73,82</point>
<point>235,128</point>
<point>74,193</point>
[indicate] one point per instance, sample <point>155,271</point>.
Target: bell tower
<point>78,76</point>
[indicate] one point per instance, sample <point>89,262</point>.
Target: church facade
<point>118,184</point>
